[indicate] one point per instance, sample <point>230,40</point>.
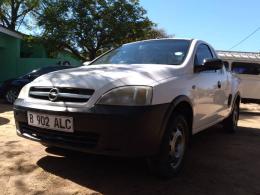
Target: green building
<point>18,58</point>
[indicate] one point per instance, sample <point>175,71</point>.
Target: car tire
<point>170,159</point>
<point>11,95</point>
<point>230,124</point>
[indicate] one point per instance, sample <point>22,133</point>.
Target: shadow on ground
<point>4,121</point>
<point>217,163</point>
<point>4,107</point>
<point>249,115</point>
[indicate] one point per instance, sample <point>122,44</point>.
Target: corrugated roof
<point>238,55</point>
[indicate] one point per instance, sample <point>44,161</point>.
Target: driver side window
<point>203,52</point>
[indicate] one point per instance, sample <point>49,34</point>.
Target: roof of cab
<point>147,40</point>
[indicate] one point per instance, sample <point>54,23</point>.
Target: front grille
<point>64,94</point>
<point>76,139</point>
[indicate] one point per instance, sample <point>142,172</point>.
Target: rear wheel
<point>11,95</point>
<point>170,160</point>
<point>231,123</point>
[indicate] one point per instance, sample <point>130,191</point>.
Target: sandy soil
<point>218,163</point>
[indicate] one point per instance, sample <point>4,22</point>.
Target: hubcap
<point>177,146</point>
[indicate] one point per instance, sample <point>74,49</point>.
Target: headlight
<point>24,92</point>
<point>127,96</point>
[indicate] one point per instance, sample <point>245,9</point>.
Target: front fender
<point>172,106</point>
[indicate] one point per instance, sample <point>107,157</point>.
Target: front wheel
<point>231,123</point>
<point>170,159</point>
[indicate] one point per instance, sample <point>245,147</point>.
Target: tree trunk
<point>12,26</point>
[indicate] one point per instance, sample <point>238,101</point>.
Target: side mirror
<point>210,64</point>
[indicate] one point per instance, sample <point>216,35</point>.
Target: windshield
<point>169,52</point>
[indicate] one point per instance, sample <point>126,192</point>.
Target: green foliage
<point>88,27</point>
<point>13,12</point>
<point>156,33</point>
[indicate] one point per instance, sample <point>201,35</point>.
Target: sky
<point>222,23</point>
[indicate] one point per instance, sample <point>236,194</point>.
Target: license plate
<point>46,121</point>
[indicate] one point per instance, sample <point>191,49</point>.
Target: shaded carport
<point>9,53</point>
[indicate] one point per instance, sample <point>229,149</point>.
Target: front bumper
<point>109,130</point>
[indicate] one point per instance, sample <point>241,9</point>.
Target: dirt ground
<point>218,163</point>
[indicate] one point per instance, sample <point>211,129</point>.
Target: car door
<point>223,93</point>
<point>208,97</point>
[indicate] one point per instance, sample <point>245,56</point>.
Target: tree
<point>87,27</point>
<point>14,12</point>
<point>156,33</point>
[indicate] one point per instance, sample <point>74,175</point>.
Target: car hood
<point>98,76</point>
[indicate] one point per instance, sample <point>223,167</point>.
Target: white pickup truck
<point>141,99</point>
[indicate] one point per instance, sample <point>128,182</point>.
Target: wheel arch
<point>183,105</point>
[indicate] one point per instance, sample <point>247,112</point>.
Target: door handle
<point>219,84</point>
